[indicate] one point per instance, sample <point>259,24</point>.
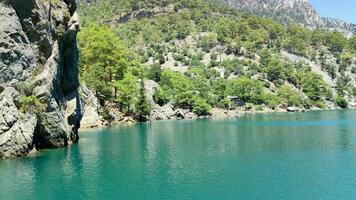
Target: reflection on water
<point>264,156</point>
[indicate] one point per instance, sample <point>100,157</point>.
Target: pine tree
<point>143,109</point>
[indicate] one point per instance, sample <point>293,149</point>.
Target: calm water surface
<point>263,156</point>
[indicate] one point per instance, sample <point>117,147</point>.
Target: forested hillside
<point>187,58</point>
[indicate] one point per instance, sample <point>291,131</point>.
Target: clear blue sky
<point>339,9</point>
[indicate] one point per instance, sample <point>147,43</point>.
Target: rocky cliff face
<point>299,11</point>
<point>39,99</point>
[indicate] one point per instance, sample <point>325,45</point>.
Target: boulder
<point>16,129</point>
<point>293,109</point>
<point>91,117</point>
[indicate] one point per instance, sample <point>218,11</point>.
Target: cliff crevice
<point>39,79</point>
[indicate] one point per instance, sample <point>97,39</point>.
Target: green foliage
<point>353,92</point>
<point>352,44</point>
<point>346,58</point>
<point>265,56</point>
<point>290,96</point>
<point>201,107</point>
<point>275,70</point>
<point>161,97</point>
<point>233,66</point>
<point>25,88</point>
<point>103,58</point>
<point>142,106</point>
<point>155,72</point>
<point>175,82</point>
<point>184,100</point>
<point>128,89</point>
<point>222,89</point>
<point>342,84</point>
<point>353,70</point>
<point>297,41</point>
<point>183,29</point>
<point>109,67</point>
<point>28,102</point>
<point>330,69</point>
<point>104,112</point>
<point>312,85</point>
<point>231,28</point>
<point>271,100</point>
<point>207,42</point>
<point>336,42</point>
<point>160,59</point>
<point>31,104</point>
<point>249,91</point>
<point>341,102</point>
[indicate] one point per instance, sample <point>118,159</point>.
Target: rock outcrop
<point>91,108</point>
<point>286,11</point>
<point>38,48</point>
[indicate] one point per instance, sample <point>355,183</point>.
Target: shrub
<point>275,70</point>
<point>104,112</point>
<point>342,84</point>
<point>214,56</point>
<point>208,41</point>
<point>155,72</point>
<point>195,61</point>
<point>259,108</point>
<point>161,97</point>
<point>271,100</point>
<point>201,107</point>
<point>341,102</point>
<point>313,85</point>
<point>25,88</point>
<point>144,58</point>
<point>186,61</point>
<point>128,93</point>
<point>161,59</point>
<point>224,103</point>
<point>353,70</point>
<point>213,63</point>
<point>320,104</point>
<point>331,70</point>
<point>248,91</point>
<point>184,100</point>
<point>289,96</point>
<point>31,104</point>
<point>178,57</point>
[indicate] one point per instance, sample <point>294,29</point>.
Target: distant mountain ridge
<point>298,11</point>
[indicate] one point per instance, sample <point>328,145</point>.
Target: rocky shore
<point>93,119</point>
<point>94,116</point>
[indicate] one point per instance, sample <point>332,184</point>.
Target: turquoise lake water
<point>259,156</point>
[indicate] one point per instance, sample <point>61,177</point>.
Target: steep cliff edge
<point>40,105</point>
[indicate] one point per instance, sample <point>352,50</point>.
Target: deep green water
<point>263,156</point>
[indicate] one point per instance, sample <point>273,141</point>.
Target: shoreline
<point>225,117</point>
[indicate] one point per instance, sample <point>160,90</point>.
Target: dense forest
<point>204,55</point>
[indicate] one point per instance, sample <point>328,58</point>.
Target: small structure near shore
<point>236,101</point>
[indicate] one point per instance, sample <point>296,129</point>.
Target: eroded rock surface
<point>38,47</point>
<point>91,117</point>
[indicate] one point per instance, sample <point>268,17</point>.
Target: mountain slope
<point>198,58</point>
<point>299,11</point>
